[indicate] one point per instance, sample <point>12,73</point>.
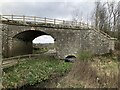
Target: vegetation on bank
<point>40,50</point>
<point>87,72</point>
<point>84,55</point>
<point>92,72</point>
<point>33,71</point>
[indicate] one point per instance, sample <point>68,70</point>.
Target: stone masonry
<point>17,40</point>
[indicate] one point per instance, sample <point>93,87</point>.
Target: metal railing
<point>8,62</point>
<point>41,20</point>
<point>102,33</point>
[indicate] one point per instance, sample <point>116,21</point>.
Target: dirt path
<point>93,74</point>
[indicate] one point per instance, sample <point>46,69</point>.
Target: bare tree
<point>103,18</point>
<point>112,9</point>
<point>76,16</point>
<point>78,19</point>
<point>118,22</point>
<point>106,16</point>
<point>97,6</point>
<point>100,16</point>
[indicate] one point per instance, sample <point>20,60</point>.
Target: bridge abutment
<point>21,47</point>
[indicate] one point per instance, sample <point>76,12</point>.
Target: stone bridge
<point>70,38</point>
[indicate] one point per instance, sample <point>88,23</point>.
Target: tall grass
<point>84,55</point>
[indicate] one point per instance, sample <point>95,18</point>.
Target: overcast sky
<point>59,9</point>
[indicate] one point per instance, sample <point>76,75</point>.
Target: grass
<point>84,74</point>
<point>84,55</point>
<point>40,50</point>
<point>107,64</point>
<point>33,71</point>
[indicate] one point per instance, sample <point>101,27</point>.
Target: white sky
<point>44,39</point>
<point>59,9</point>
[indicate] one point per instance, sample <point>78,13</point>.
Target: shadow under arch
<point>22,42</point>
<point>70,58</point>
<point>30,35</point>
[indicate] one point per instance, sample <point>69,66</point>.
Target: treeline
<point>106,17</point>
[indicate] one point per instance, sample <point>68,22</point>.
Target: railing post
<point>12,17</point>
<point>0,18</point>
<point>45,20</point>
<point>29,56</point>
<point>18,59</point>
<point>23,19</point>
<point>87,24</point>
<point>54,21</point>
<point>72,23</point>
<point>80,24</point>
<point>63,21</point>
<point>76,23</point>
<point>35,19</point>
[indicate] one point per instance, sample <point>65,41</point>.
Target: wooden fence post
<point>35,19</point>
<point>45,21</point>
<point>0,18</point>
<point>23,19</point>
<point>18,59</point>
<point>63,21</point>
<point>12,17</point>
<point>29,56</point>
<point>54,21</point>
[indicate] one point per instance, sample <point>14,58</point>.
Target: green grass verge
<point>84,55</point>
<point>40,50</point>
<point>33,71</point>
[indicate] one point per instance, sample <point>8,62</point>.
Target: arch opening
<point>43,39</point>
<point>70,58</point>
<point>29,35</point>
<point>44,44</point>
<point>23,42</point>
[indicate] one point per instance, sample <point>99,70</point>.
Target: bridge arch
<point>22,42</point>
<point>43,39</point>
<point>30,35</point>
<point>71,56</point>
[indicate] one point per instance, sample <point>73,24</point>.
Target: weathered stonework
<point>17,40</point>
